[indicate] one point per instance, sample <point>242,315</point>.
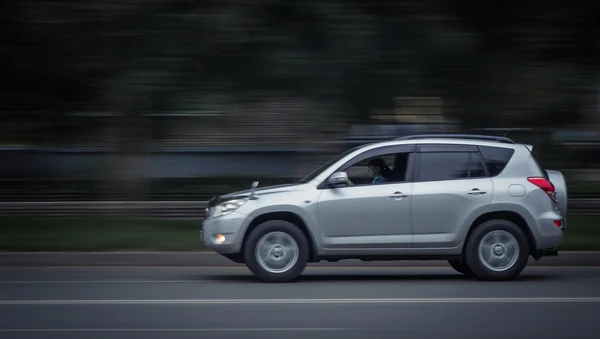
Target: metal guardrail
<point>168,209</point>
<point>164,209</point>
<point>584,206</point>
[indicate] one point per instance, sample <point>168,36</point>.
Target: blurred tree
<point>506,63</point>
<point>512,63</point>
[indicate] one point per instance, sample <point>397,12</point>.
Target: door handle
<point>397,195</point>
<point>476,191</point>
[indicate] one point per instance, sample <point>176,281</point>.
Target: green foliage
<point>512,66</point>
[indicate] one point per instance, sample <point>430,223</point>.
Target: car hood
<point>258,192</point>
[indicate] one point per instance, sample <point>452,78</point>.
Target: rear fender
<point>560,185</point>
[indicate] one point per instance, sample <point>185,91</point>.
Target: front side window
<point>378,169</point>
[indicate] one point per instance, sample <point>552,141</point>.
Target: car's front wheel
<point>497,250</point>
<point>276,251</point>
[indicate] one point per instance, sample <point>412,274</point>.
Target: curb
<point>206,259</point>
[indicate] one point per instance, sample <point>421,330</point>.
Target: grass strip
<point>93,233</point>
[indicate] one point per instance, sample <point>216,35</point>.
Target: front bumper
<point>229,228</point>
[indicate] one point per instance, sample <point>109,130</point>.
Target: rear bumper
<point>547,253</point>
<point>549,234</point>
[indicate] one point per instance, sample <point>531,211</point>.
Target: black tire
<point>276,226</point>
<point>478,267</point>
<point>461,267</point>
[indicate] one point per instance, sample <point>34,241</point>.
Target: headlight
<point>227,207</point>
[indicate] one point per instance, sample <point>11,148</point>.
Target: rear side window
<point>439,166</point>
<point>443,166</point>
<point>495,158</point>
<point>476,169</point>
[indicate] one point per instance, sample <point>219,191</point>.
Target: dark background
<point>157,100</point>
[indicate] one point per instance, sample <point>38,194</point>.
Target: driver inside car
<point>378,170</point>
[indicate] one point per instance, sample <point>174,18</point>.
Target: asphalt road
<point>327,302</point>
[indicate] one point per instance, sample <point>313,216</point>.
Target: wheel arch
<point>288,216</point>
<point>511,216</point>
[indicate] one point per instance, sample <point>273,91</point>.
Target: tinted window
<point>496,158</point>
<point>476,167</point>
<point>443,166</point>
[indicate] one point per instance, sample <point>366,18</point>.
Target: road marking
<point>303,301</point>
<point>170,329</point>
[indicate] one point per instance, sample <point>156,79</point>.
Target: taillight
<point>545,185</point>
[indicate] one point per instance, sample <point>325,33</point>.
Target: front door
<point>375,216</point>
<point>369,215</point>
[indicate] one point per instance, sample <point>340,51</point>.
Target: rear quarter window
<point>496,158</point>
<point>539,167</point>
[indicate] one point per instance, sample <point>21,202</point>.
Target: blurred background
<point>119,118</point>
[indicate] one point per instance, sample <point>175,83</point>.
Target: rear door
<point>451,185</point>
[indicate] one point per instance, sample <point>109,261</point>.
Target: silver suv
<point>480,202</point>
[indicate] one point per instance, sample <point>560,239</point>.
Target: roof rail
<point>458,136</point>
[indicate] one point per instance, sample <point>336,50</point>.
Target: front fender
<point>305,214</point>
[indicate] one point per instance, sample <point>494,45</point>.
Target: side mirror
<point>338,179</point>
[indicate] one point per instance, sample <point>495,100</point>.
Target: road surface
<point>327,302</point>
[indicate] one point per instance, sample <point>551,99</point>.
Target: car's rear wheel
<point>497,250</point>
<point>461,267</point>
<point>276,251</point>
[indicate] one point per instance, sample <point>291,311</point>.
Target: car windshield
<point>318,171</point>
